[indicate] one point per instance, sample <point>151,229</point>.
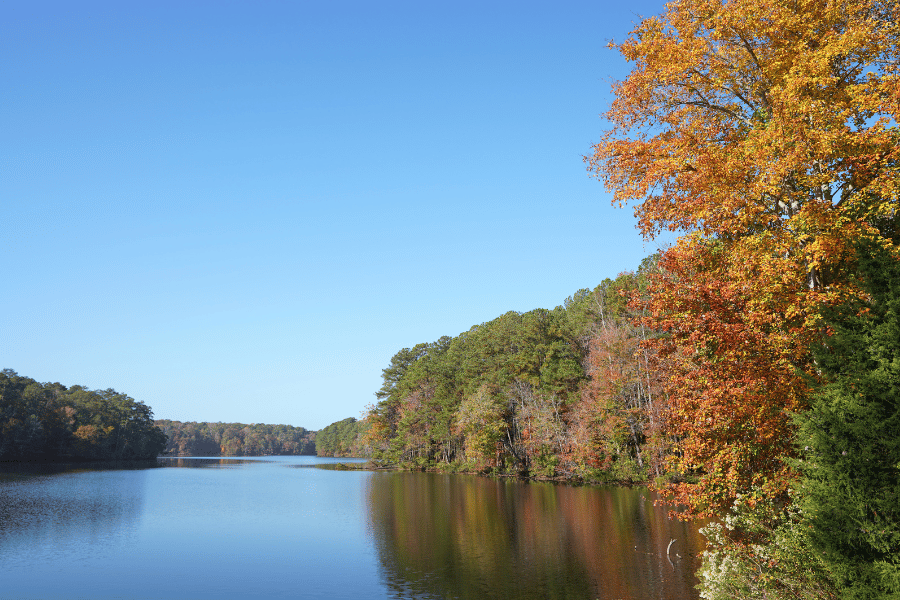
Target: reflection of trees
<point>202,463</point>
<point>470,537</point>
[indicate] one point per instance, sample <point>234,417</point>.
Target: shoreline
<point>558,479</point>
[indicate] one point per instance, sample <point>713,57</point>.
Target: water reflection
<point>205,463</point>
<point>44,514</point>
<point>241,528</point>
<point>18,470</point>
<point>450,536</point>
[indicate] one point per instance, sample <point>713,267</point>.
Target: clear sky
<point>239,211</point>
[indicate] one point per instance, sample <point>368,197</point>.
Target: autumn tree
<point>480,420</point>
<point>617,429</point>
<point>766,134</point>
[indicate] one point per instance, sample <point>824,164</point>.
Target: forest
<point>344,438</point>
<point>52,422</point>
<point>564,392</point>
<point>49,421</point>
<point>751,370</point>
<point>235,439</point>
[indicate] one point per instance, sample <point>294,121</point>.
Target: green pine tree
<point>850,438</point>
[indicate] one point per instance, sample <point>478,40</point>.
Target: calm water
<point>281,527</point>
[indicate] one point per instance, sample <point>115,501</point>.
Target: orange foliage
<point>601,419</point>
<point>765,131</point>
<point>622,409</point>
<point>733,366</point>
<point>378,434</point>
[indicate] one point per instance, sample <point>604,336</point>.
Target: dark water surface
<point>278,527</point>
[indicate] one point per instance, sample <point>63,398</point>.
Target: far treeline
<point>49,421</point>
<point>235,439</point>
<point>344,438</point>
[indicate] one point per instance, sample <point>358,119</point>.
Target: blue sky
<point>239,211</point>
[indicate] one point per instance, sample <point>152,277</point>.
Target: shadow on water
<point>13,470</point>
<point>446,536</point>
<point>336,465</point>
<point>205,463</point>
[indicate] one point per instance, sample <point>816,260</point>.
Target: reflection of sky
<point>65,518</point>
<point>239,528</point>
<point>252,528</point>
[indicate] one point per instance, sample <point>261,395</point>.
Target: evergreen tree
<point>850,438</point>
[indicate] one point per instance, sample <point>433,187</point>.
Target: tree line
<point>49,421</point>
<point>343,438</point>
<point>567,392</point>
<point>236,439</point>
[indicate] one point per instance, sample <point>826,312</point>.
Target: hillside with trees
<point>49,421</point>
<point>236,439</point>
<point>567,392</point>
<point>343,438</point>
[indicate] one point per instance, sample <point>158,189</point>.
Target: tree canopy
<point>563,392</point>
<point>766,134</point>
<point>48,421</point>
<point>236,439</point>
<point>850,437</point>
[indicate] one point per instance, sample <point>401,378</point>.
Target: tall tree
<point>766,133</point>
<point>850,485</point>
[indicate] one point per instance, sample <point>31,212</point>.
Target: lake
<point>291,527</point>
